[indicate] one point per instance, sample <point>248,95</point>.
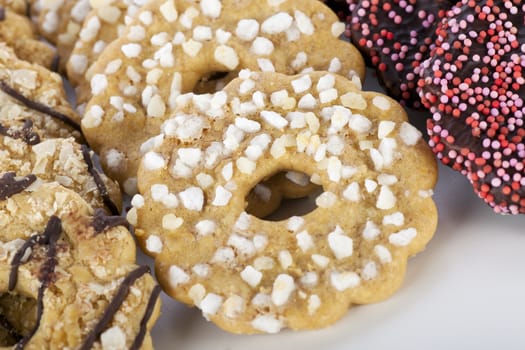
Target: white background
<point>465,291</point>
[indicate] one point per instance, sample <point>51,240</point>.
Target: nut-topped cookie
<point>249,275</point>
<point>61,160</point>
<point>31,92</point>
<point>68,277</point>
<point>17,31</point>
<point>175,47</point>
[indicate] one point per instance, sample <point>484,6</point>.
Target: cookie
<point>59,21</point>
<point>68,277</point>
<point>60,160</point>
<point>17,6</point>
<point>103,24</point>
<point>395,37</point>
<point>250,275</point>
<point>31,92</point>
<point>17,32</point>
<point>474,86</point>
<point>172,48</point>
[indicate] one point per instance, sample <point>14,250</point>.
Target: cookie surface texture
<point>177,47</point>
<point>17,6</point>
<point>60,21</point>
<point>250,275</point>
<point>103,24</point>
<point>31,92</point>
<point>17,31</point>
<point>63,161</point>
<point>473,84</point>
<point>68,277</point>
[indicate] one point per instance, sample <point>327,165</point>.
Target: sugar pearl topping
<point>156,65</point>
<point>473,84</point>
<point>396,36</point>
<point>257,271</point>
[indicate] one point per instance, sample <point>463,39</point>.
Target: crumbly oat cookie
<point>68,277</point>
<point>104,23</point>
<point>250,275</point>
<point>60,160</point>
<point>59,21</point>
<point>17,32</point>
<point>31,92</point>
<point>186,46</point>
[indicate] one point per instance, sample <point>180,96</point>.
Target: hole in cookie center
<point>17,317</point>
<point>283,195</point>
<point>213,81</point>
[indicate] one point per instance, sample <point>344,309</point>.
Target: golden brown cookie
<point>103,24</point>
<point>17,6</point>
<point>17,32</point>
<point>31,92</point>
<point>61,160</point>
<point>249,275</point>
<point>177,47</point>
<point>68,277</point>
<point>59,21</point>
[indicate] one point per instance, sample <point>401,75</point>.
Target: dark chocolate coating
<point>395,37</point>
<point>25,134</point>
<point>474,85</point>
<point>10,185</point>
<point>37,106</point>
<point>101,222</point>
<point>101,186</point>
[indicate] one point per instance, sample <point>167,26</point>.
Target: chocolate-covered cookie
<point>395,37</point>
<point>474,85</point>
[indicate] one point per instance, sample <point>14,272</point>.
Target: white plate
<point>465,291</point>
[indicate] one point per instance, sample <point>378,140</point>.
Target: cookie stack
<point>215,110</point>
<point>69,278</point>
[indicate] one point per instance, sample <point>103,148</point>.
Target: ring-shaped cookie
<point>68,277</point>
<point>175,47</point>
<point>250,275</point>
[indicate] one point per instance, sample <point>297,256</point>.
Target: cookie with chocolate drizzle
<point>60,160</point>
<point>68,277</point>
<point>32,92</point>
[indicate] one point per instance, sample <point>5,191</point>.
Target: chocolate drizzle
<point>113,306</point>
<point>101,222</point>
<point>2,14</point>
<point>10,185</point>
<point>49,238</point>
<point>98,181</point>
<point>25,134</point>
<point>144,322</point>
<point>37,106</point>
